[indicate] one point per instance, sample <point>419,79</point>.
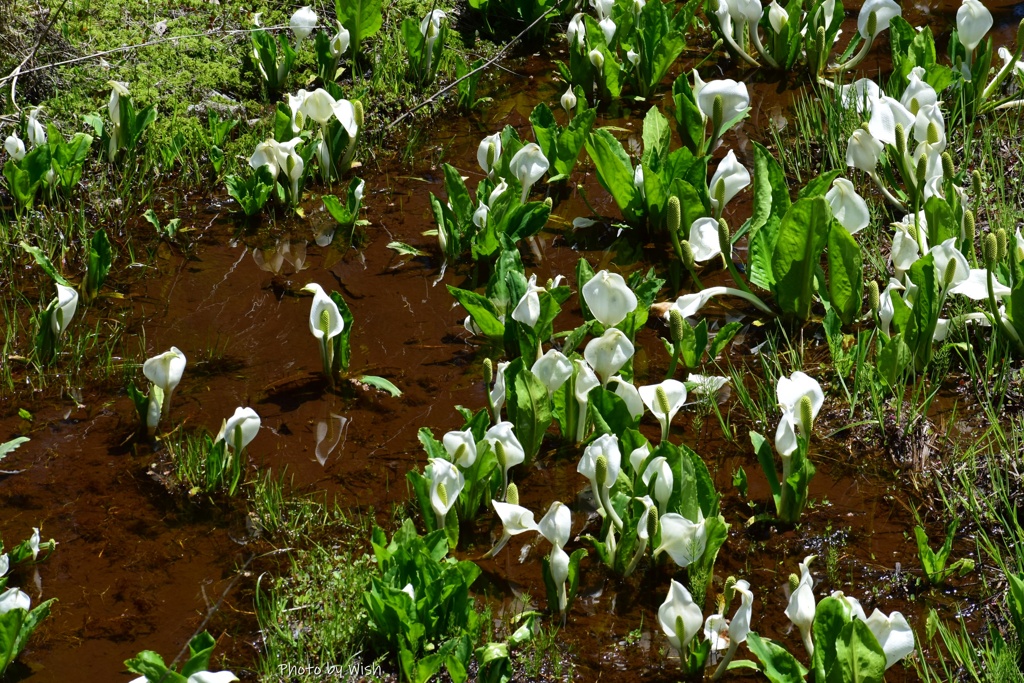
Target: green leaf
<point>689,121</point>
<point>44,262</point>
<point>404,249</point>
<point>98,264</point>
<point>571,140</point>
<point>766,457</point>
<point>528,406</point>
<point>801,239</point>
<point>777,664</point>
<point>925,313</point>
<point>9,447</point>
<point>342,345</point>
<point>200,648</point>
<point>614,172</point>
<point>656,137</point>
<point>483,312</point>
<point>723,337</point>
<point>893,360</point>
<point>362,18</point>
<point>380,383</point>
<point>860,658</point>
<point>771,192</point>
<point>830,618</point>
<point>845,274</point>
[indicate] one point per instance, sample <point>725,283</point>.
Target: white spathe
<point>609,298</point>
<point>973,21</point>
<point>608,353</point>
<point>848,207</point>
<point>240,429</point>
<point>679,609</point>
<point>729,178</point>
<point>528,165</point>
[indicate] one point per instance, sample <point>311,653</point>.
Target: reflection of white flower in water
<point>329,434</point>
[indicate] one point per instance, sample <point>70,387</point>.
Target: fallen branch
<point>480,68</point>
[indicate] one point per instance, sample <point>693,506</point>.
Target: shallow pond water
<point>136,568</point>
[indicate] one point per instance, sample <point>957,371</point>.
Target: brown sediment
<point>136,568</point>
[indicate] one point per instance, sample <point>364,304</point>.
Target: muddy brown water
<point>136,568</point>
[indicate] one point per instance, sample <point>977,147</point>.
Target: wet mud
<point>138,568</point>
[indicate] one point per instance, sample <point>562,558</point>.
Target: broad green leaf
<point>777,664</point>
<point>44,262</point>
<point>528,406</point>
<point>845,274</point>
<point>830,617</point>
<point>9,447</point>
<point>571,140</point>
<point>614,171</point>
<point>859,656</point>
<point>380,383</point>
<point>723,337</point>
<point>690,123</point>
<point>925,313</point>
<point>766,457</point>
<point>97,265</point>
<point>801,239</point>
<point>484,314</point>
<point>656,136</point>
<point>362,18</point>
<point>893,360</point>
<point>771,192</point>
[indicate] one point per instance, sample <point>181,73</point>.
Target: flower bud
<point>442,493</point>
<point>989,250</point>
<point>512,495</point>
<point>794,582</point>
<point>1001,239</point>
<point>819,47</point>
<point>653,523</point>
<point>675,324</point>
<point>488,372</point>
<point>601,471</point>
<point>947,166</point>
<point>922,171</point>
<point>807,412</point>
<point>970,230</point>
<point>976,183</point>
<point>724,237</point>
<point>934,134</point>
<point>674,217</point>
<point>492,154</point>
<point>873,298</point>
<point>687,250</point>
<point>325,322</point>
<point>662,400</point>
<point>947,277</point>
<point>730,590</point>
<point>872,24</point>
<point>499,455</point>
<point>357,112</point>
<point>717,112</point>
<point>901,140</point>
